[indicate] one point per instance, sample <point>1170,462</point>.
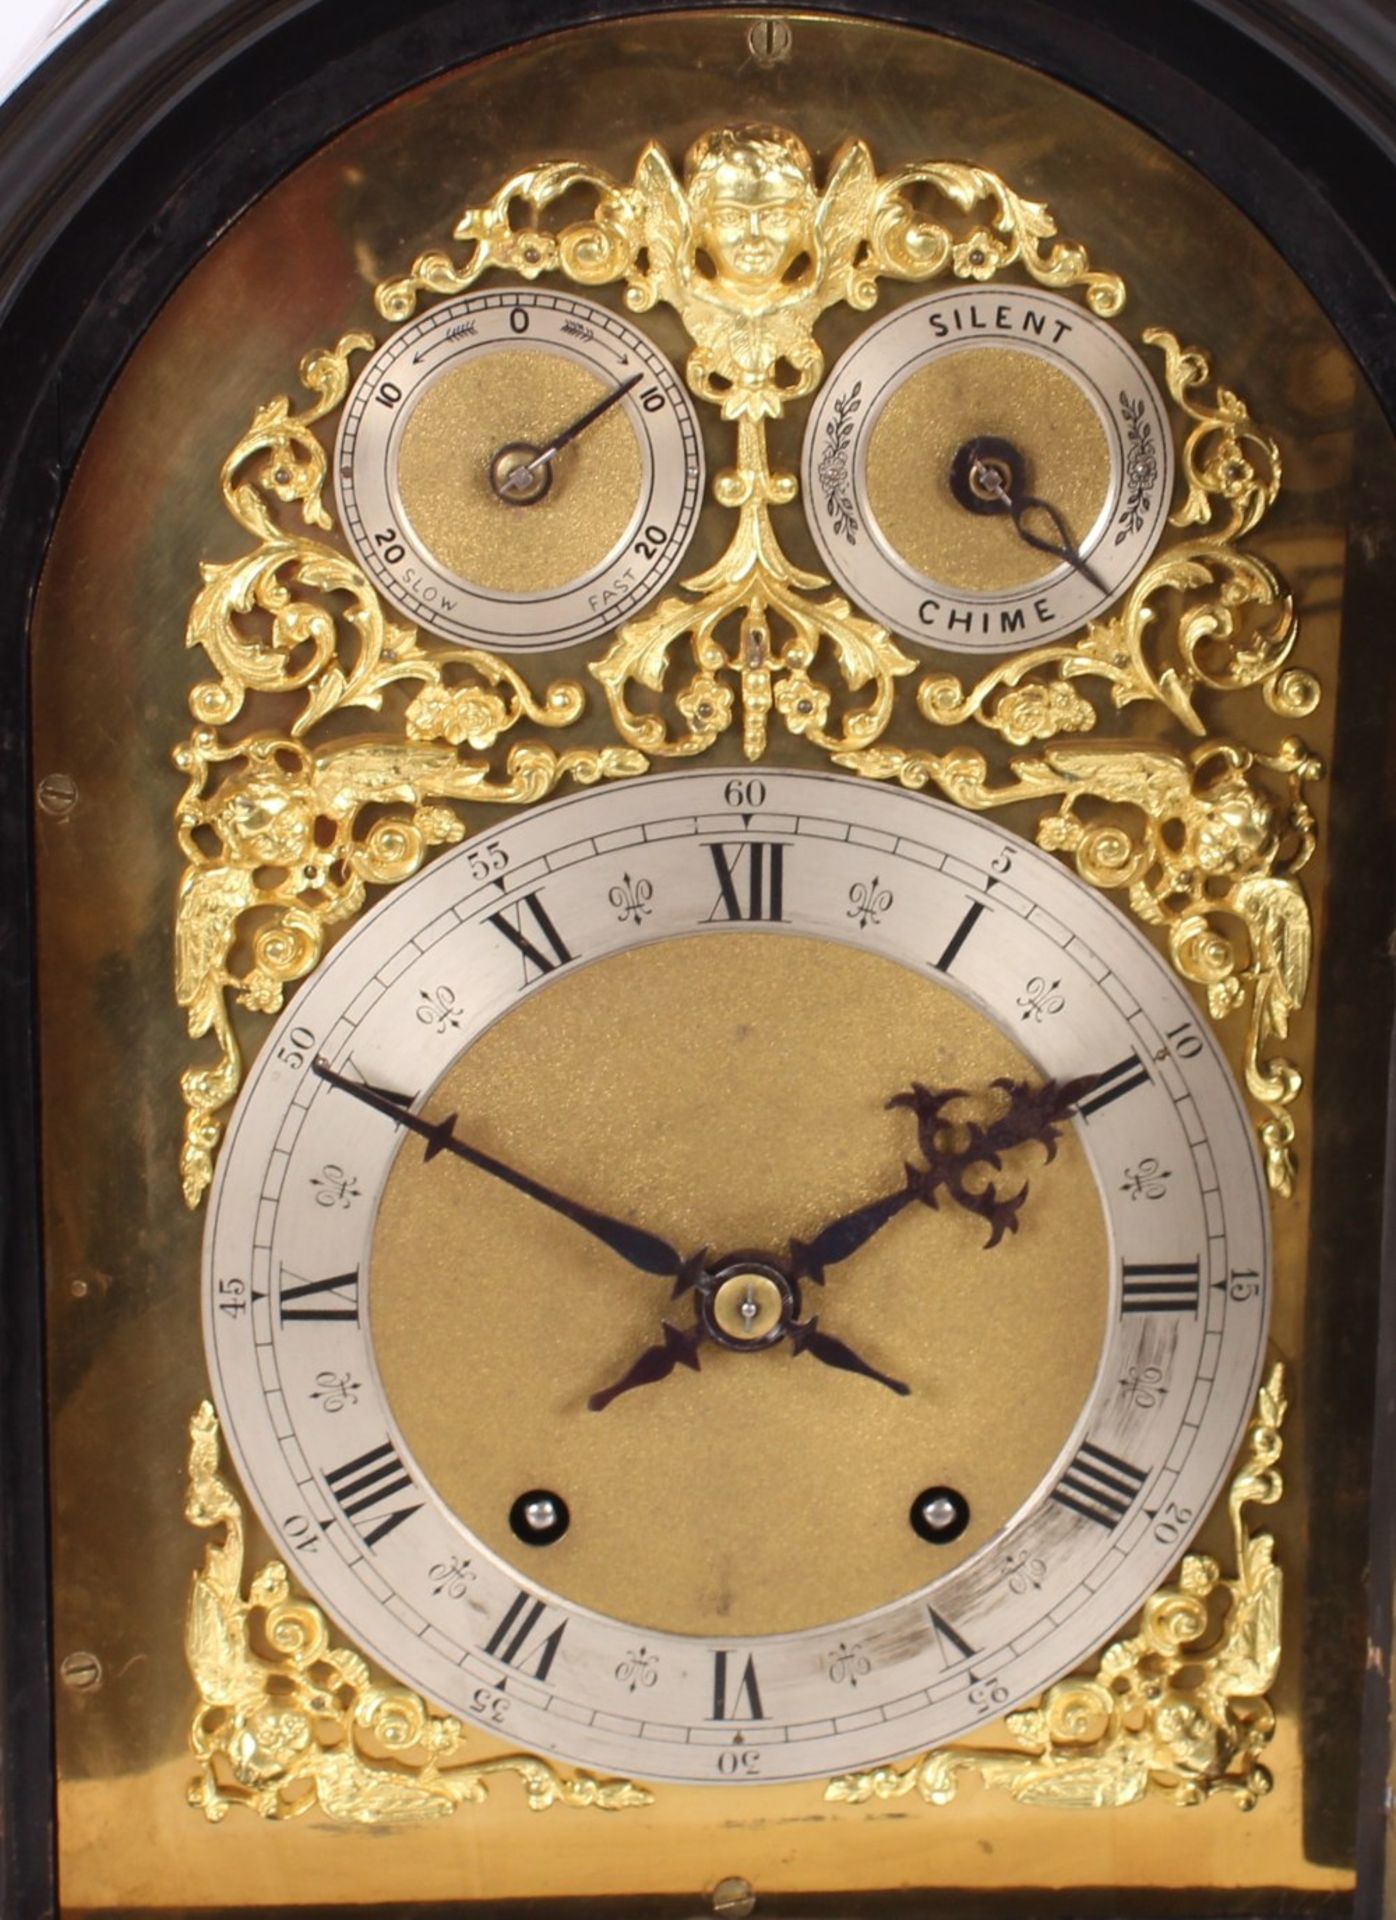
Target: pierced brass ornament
<point>1214,849</point>
<point>1213,618</point>
<point>750,253</point>
<point>1176,1711</point>
<point>270,826</point>
<point>288,1723</point>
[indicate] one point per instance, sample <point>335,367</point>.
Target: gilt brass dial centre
<point>517,396</point>
<point>978,391</point>
<point>645,1084</point>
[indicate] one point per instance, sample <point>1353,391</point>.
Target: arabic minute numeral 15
<point>232,1297</point>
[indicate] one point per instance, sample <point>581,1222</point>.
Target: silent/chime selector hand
<point>749,1302</point>
<point>985,471</point>
<point>989,475</point>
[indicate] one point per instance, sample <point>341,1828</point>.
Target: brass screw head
<point>770,41</point>
<point>58,794</point>
<point>748,1306</point>
<point>82,1672</point>
<point>733,1898</point>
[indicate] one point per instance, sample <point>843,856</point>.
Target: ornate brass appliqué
<point>283,831</point>
<point>1165,1713</point>
<point>288,1722</point>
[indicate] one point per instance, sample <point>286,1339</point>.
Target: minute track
<point>934,858</point>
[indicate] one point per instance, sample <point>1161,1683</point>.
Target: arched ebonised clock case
<point>862,809</point>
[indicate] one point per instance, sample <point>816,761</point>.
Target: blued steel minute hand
<point>639,1248</point>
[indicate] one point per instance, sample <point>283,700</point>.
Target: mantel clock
<point>710,1157</point>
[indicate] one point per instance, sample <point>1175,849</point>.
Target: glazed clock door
<point>706,704</point>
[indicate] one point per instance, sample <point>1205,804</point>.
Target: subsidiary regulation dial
<point>986,470</point>
<point>519,469</point>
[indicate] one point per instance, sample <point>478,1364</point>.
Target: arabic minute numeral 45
<point>232,1297</point>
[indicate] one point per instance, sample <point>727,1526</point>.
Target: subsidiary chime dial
<point>519,469</point>
<point>985,469</point>
<point>734,1279</point>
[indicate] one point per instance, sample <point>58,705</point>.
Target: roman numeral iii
<point>1171,1287</point>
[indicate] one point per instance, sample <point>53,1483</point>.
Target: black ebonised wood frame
<point>136,143</point>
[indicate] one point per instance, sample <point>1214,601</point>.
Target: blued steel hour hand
<point>680,1347</point>
<point>639,1248</point>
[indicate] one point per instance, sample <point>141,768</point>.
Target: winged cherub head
<point>753,198</point>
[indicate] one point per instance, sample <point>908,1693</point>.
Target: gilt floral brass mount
<point>284,828</point>
<point>1177,1710</point>
<point>289,1723</point>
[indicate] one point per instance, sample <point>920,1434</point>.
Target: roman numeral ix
<point>334,1299</point>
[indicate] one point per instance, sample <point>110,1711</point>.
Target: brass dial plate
<point>443,475</point>
<point>945,403</point>
<point>121,1248</point>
